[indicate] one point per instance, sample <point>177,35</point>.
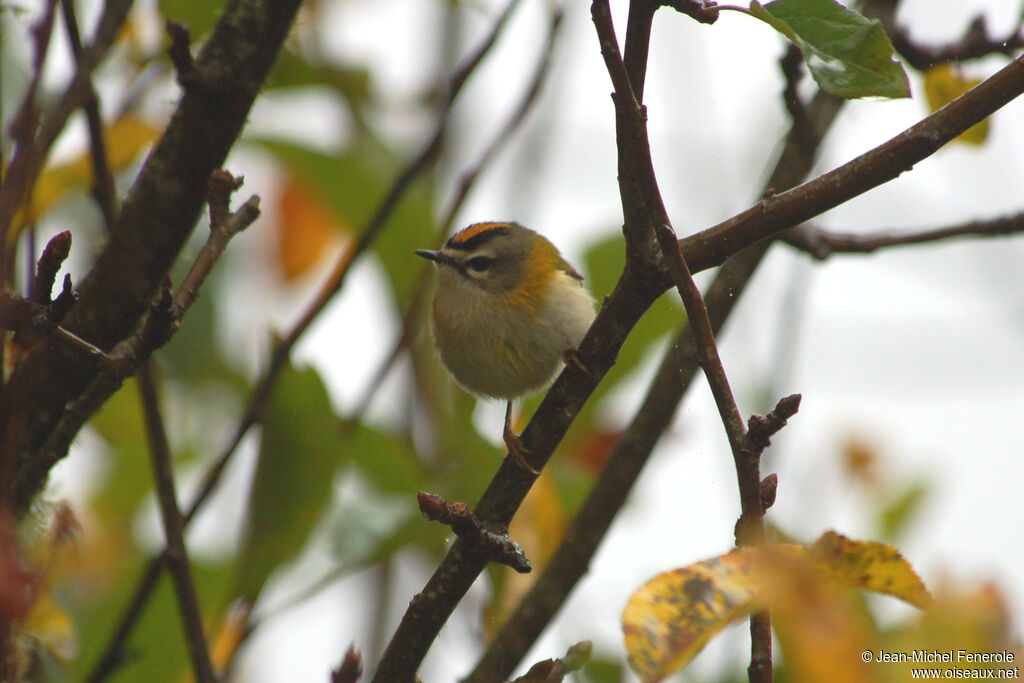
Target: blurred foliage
<point>354,480</point>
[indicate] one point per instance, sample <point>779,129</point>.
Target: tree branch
<point>151,227</point>
<point>976,43</point>
<point>174,529</point>
<point>822,243</point>
<point>102,177</point>
<point>125,359</point>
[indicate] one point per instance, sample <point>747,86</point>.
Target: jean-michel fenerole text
<point>952,656</point>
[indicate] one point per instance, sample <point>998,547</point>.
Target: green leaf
<point>387,461</point>
<point>156,650</point>
<point>900,510</point>
<point>299,452</point>
<point>200,17</point>
<point>849,55</point>
<point>130,477</point>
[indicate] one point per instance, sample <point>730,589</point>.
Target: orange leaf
<point>305,229</point>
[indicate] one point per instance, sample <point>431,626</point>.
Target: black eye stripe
<point>480,263</point>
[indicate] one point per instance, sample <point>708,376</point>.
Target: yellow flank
<point>539,269</point>
<point>472,231</point>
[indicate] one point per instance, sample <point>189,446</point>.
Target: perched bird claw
<point>572,357</point>
<point>515,446</point>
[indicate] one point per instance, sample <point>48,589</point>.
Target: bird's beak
<point>438,257</point>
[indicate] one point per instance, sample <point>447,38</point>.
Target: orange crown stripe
<point>472,231</point>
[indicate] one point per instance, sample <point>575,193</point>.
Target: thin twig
<point>174,528</point>
<point>164,320</point>
<point>822,243</point>
<point>975,44</point>
<point>102,177</point>
<point>28,158</point>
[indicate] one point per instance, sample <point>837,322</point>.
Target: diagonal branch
<point>822,243</point>
<point>102,177</point>
<point>174,529</point>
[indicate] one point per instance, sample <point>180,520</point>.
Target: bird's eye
<point>480,263</point>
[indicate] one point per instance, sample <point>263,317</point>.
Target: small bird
<point>508,312</point>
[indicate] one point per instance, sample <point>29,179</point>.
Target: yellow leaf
<point>868,565</point>
<point>822,632</point>
<point>125,139</point>
<point>670,619</point>
<point>942,85</point>
<point>305,229</point>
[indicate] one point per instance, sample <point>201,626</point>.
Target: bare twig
<point>126,357</point>
<point>494,543</point>
<point>174,529</point>
<point>822,243</point>
<point>30,153</point>
<point>976,43</point>
<point>102,177</point>
<point>54,254</point>
<point>350,669</point>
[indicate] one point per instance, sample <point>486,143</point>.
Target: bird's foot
<point>571,356</point>
<point>515,446</point>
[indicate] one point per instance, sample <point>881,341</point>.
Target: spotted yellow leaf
<point>670,619</point>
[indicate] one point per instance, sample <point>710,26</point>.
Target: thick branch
<point>873,168</point>
<point>152,225</point>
